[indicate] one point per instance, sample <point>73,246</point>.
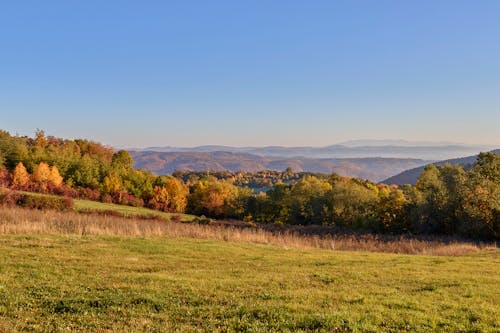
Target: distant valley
<point>374,169</point>
<point>375,160</point>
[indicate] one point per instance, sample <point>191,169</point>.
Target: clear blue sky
<point>184,73</point>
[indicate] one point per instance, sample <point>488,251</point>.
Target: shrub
<point>175,218</point>
<point>45,202</point>
<point>106,198</point>
<point>90,194</point>
<point>8,198</point>
<point>203,220</point>
<point>62,190</point>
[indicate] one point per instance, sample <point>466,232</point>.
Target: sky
<point>251,73</point>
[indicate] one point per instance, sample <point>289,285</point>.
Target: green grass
<point>95,206</point>
<point>124,284</point>
<point>81,205</point>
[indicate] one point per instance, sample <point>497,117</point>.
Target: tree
<point>5,178</point>
<point>351,204</point>
<point>122,161</point>
<point>487,166</point>
<point>172,197</point>
<point>481,203</point>
<point>391,209</point>
<point>213,197</point>
<point>308,201</point>
<point>178,193</point>
<point>111,184</point>
<point>40,139</point>
<point>85,172</point>
<point>54,177</point>
<point>41,174</point>
<point>20,176</point>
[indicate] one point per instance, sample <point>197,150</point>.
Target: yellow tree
<point>111,183</point>
<point>55,178</point>
<point>178,194</point>
<point>41,175</point>
<point>160,198</point>
<point>20,176</point>
<point>172,197</point>
<point>40,139</point>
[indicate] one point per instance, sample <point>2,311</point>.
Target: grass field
<point>82,205</point>
<point>95,206</point>
<point>68,283</point>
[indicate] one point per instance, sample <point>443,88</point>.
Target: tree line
<point>445,200</point>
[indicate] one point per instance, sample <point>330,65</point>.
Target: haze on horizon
<point>281,73</point>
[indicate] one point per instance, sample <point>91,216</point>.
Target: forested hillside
<point>446,199</point>
<point>411,176</point>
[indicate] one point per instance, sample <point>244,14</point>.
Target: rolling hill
<point>373,168</point>
<point>410,176</point>
<point>433,151</point>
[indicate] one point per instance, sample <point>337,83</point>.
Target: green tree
<point>351,204</point>
<point>122,161</point>
<point>308,201</point>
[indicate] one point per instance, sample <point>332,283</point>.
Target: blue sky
<point>293,73</point>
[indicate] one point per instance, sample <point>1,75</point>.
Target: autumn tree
<point>40,139</point>
<point>54,177</point>
<point>20,176</point>
<point>213,197</point>
<point>481,204</point>
<point>41,174</point>
<point>111,184</point>
<point>172,197</point>
<point>5,177</point>
<point>391,209</point>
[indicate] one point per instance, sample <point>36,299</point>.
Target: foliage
<point>445,200</point>
<point>171,197</point>
<point>20,176</point>
<point>44,202</point>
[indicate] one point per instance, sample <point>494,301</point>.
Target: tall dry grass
<point>25,221</point>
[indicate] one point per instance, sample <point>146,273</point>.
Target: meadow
<point>129,275</point>
<point>82,205</point>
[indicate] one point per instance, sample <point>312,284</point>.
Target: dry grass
<point>24,221</point>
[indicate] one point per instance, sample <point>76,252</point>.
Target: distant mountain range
<point>411,176</point>
<point>374,168</point>
<point>375,160</point>
<point>352,149</point>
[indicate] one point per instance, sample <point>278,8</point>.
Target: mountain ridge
<point>410,176</point>
<point>430,152</point>
<point>372,168</point>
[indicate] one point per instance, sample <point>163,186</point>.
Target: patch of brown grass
<point>25,221</point>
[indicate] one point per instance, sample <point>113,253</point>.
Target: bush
<point>203,220</point>
<point>175,218</point>
<point>8,198</point>
<point>106,198</point>
<point>45,202</point>
<point>63,190</point>
<point>90,194</point>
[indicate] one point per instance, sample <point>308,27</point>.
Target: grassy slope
<point>87,205</point>
<point>71,283</point>
<point>96,206</point>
